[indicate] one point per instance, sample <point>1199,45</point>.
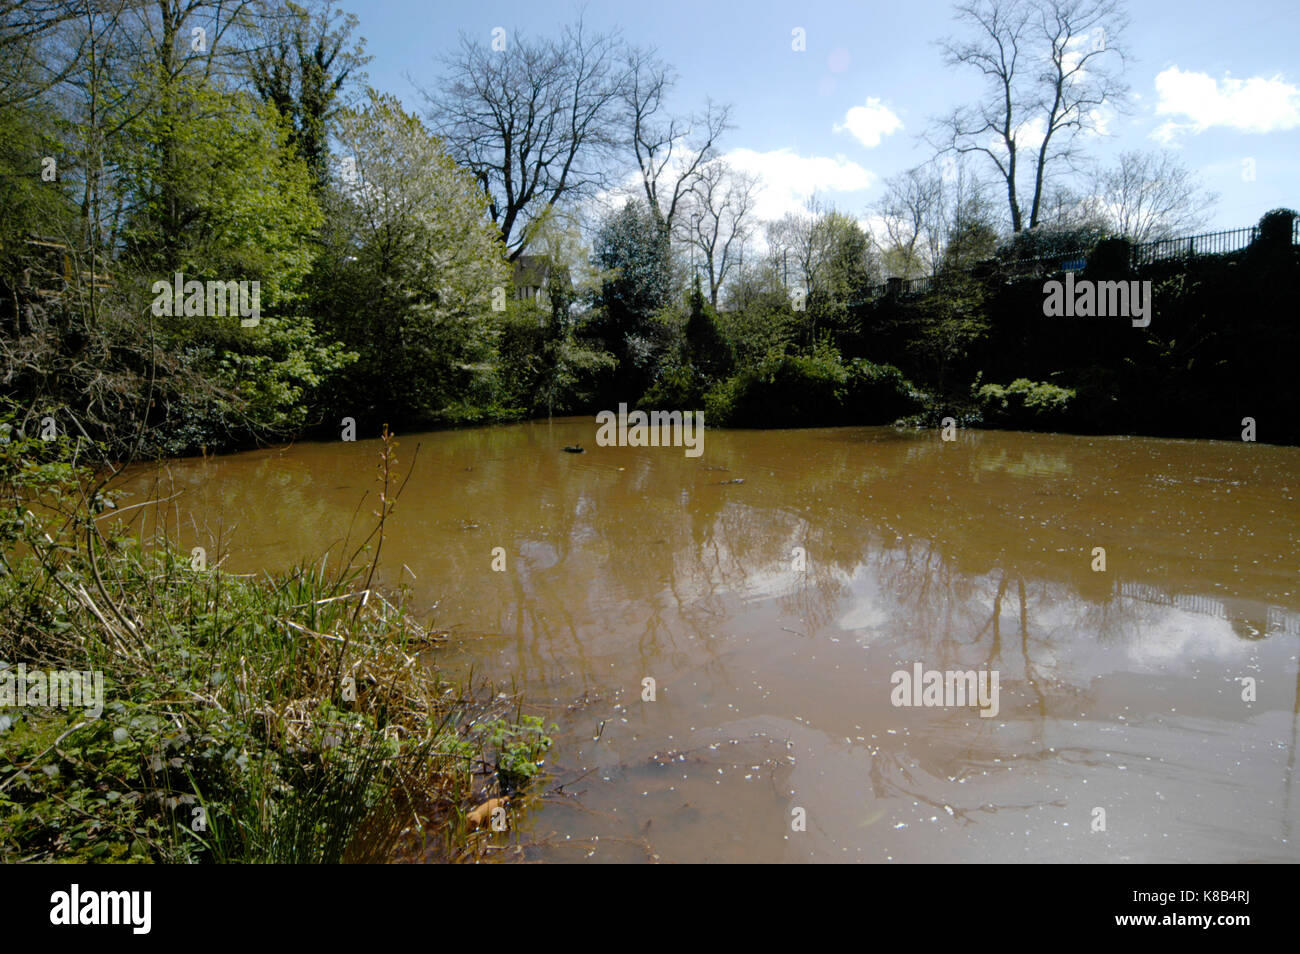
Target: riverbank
<point>287,717</point>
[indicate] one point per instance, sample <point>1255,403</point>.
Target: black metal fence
<point>1145,253</point>
<point>1211,243</point>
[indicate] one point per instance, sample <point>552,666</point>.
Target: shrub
<point>812,390</point>
<point>1024,403</point>
<point>791,391</point>
<point>678,387</point>
<point>1275,226</point>
<point>720,401</point>
<point>1111,257</point>
<point>1047,241</point>
<point>879,393</point>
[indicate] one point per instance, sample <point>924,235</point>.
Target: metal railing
<point>1210,243</point>
<point>1224,242</point>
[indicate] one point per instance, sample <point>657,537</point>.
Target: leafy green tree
<point>951,323</point>
<point>410,270</point>
<point>707,348</point>
<point>300,67</point>
<point>849,271</point>
<point>227,198</point>
<point>757,318</point>
<point>633,249</point>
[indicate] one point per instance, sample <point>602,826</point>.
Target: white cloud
<point>787,179</point>
<point>873,224</point>
<point>1100,118</point>
<point>1255,105</point>
<point>870,123</point>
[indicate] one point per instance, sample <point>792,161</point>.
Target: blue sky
<point>1217,82</point>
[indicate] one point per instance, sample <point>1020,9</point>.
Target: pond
<point>1147,697</point>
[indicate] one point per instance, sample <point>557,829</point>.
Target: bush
<point>1024,403</point>
<point>812,390</point>
<point>678,387</point>
<point>244,718</point>
<point>1047,241</point>
<point>790,391</point>
<point>1275,226</point>
<point>879,393</point>
<point>720,401</point>
<point>1111,257</point>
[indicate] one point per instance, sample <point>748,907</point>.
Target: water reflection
<point>1120,689</point>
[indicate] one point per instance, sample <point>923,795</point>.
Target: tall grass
<point>258,718</point>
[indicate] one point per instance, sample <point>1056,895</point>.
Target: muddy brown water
<point>1120,691</point>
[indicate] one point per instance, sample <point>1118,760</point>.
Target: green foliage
<point>761,329</point>
<point>951,322</point>
<point>1046,241</point>
<point>31,469</point>
<point>792,391</point>
<point>290,364</point>
<point>878,393</point>
<point>208,186</point>
<point>245,719</point>
<point>720,401</point>
<point>410,268</point>
<point>847,270</point>
<point>520,748</point>
<point>300,67</point>
<point>219,193</point>
<point>545,368</point>
<point>707,348</point>
<point>678,387</point>
<point>972,242</point>
<point>1024,403</point>
<point>632,249</point>
<point>28,205</point>
<point>1276,225</point>
<point>812,389</point>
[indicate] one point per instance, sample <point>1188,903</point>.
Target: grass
<point>292,717</point>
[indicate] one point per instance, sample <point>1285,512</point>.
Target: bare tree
<point>1150,195</point>
<point>910,213</point>
<point>797,242</point>
<point>26,68</point>
<point>669,150</point>
<point>1050,66</point>
<point>1066,208</point>
<point>716,219</point>
<point>534,122</point>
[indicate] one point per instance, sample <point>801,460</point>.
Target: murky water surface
<point>773,586</point>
